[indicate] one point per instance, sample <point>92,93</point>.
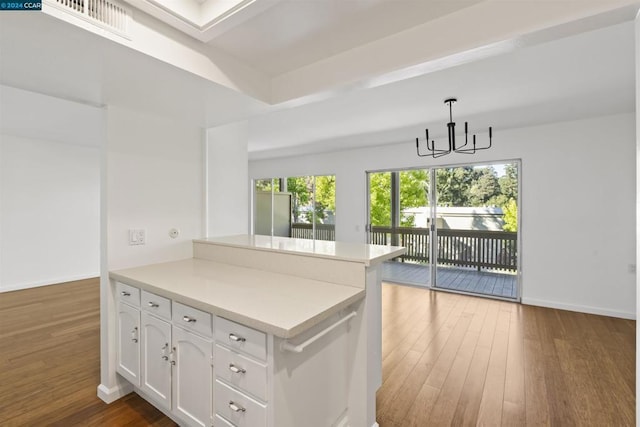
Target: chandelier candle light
<point>437,152</point>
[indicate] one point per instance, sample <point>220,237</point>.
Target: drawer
<point>128,294</point>
<point>156,304</point>
<point>241,338</point>
<point>192,319</point>
<point>240,410</point>
<point>241,372</point>
<point>221,422</point>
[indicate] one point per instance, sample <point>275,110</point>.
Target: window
<point>302,207</point>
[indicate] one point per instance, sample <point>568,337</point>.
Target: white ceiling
<point>294,33</point>
<point>579,75</point>
<point>584,75</point>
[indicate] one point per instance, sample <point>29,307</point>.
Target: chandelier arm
<point>433,152</point>
<point>474,149</point>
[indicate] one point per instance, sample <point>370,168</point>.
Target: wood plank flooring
<point>459,360</point>
<point>447,360</point>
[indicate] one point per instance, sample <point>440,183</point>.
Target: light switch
<point>137,236</point>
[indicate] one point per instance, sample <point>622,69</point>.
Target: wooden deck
<point>502,285</point>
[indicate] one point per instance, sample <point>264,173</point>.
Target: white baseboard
<point>579,308</point>
<point>109,395</point>
<point>55,281</point>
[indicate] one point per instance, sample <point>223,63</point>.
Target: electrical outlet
<point>137,236</point>
<point>174,233</point>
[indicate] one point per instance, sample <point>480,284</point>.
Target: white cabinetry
<point>156,362</point>
<point>256,380</point>
<point>192,381</point>
<point>166,350</point>
<point>241,375</point>
<point>128,360</point>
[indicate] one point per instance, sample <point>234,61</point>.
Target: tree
<point>510,211</point>
<point>414,185</point>
<point>414,191</point>
<point>484,187</point>
<point>325,196</point>
<point>509,182</point>
<point>380,195</point>
<point>300,189</point>
<point>452,186</point>
<point>266,184</point>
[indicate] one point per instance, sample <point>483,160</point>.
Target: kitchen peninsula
<point>252,331</point>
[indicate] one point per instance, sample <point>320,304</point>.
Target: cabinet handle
<point>172,355</point>
<point>236,408</point>
<point>234,337</point>
<point>164,352</point>
<point>233,368</point>
<point>189,319</point>
<point>134,334</point>
<point>153,304</point>
<point>125,294</point>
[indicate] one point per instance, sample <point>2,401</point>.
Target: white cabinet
<point>156,362</point>
<point>192,377</point>
<point>241,387</point>
<point>128,359</point>
<point>166,349</point>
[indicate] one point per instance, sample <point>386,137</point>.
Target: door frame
<point>433,229</point>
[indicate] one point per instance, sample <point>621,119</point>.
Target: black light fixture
<point>451,127</point>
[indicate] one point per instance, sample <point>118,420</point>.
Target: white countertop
<point>354,252</point>
<point>271,302</point>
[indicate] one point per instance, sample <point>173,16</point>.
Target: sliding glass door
<point>459,225</point>
<point>301,207</point>
<point>476,229</point>
<point>399,215</point>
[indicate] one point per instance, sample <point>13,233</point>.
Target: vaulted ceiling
<point>346,73</point>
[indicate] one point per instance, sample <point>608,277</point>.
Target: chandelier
<point>451,127</point>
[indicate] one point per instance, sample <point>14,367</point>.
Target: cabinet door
<point>156,364</point>
<point>192,385</point>
<point>128,343</point>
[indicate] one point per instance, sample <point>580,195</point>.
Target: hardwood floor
<point>458,360</point>
<point>447,360</point>
<point>50,361</point>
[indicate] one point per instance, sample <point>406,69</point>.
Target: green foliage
<point>325,196</point>
<point>509,182</point>
<point>484,187</point>
<point>301,191</point>
<point>380,189</point>
<point>462,186</point>
<point>453,186</point>
<point>414,190</point>
<point>267,184</point>
<point>510,216</point>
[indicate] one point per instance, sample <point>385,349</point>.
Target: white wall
<point>577,210</point>
<point>154,182</point>
<point>637,34</point>
<point>49,189</point>
<point>227,190</point>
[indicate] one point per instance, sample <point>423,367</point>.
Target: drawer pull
<point>233,368</point>
<point>153,304</point>
<point>125,294</point>
<point>189,319</point>
<point>134,334</point>
<point>234,337</point>
<point>236,408</point>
